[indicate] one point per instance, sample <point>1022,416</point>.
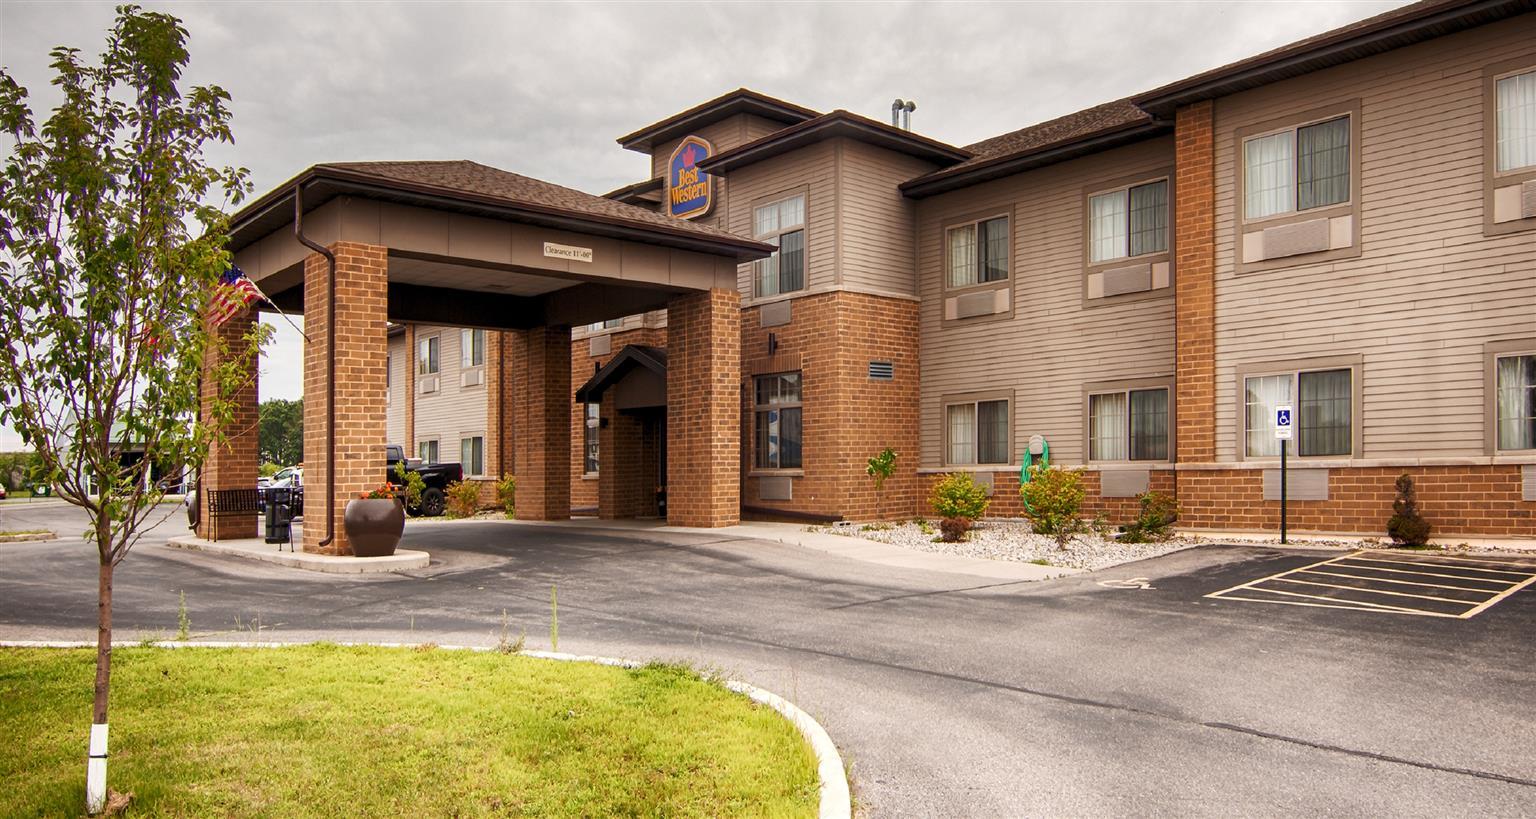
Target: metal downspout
<point>330,363</point>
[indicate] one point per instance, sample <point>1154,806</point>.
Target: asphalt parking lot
<point>1131,691</point>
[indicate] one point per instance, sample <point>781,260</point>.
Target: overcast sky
<point>543,89</point>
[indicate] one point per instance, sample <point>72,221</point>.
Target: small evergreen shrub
<point>1053,501</point>
<point>506,495</point>
<point>1407,527</point>
<point>1159,511</point>
<point>958,501</point>
<point>463,499</point>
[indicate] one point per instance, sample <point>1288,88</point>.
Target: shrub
<point>1407,527</point>
<point>408,486</point>
<point>881,468</point>
<point>506,495</point>
<point>958,500</point>
<point>1154,523</point>
<point>1053,499</point>
<point>463,499</point>
<point>268,469</point>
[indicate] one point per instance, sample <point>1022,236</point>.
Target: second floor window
<point>1517,121</point>
<point>1129,222</point>
<point>978,252</point>
<point>1297,169</point>
<point>426,356</point>
<point>472,347</point>
<point>782,224</point>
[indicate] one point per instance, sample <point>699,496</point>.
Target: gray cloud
<point>544,88</point>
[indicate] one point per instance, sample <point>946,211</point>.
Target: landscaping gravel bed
<point>1013,540</point>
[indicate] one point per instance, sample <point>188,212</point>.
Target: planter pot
<point>374,526</point>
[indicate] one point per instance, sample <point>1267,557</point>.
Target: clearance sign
<point>690,191</point>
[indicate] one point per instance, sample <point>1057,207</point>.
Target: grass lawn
<point>331,731</point>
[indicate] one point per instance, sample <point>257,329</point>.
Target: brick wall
<point>1007,502</point>
<point>704,436</point>
<point>232,463</point>
<point>359,388</point>
<point>583,489</point>
<point>541,406</point>
<point>847,416</point>
<point>1195,282</point>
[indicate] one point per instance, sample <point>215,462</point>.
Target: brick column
<point>541,372</point>
<point>622,477</point>
<point>232,463</point>
<point>1195,282</point>
<point>361,341</point>
<point>703,409</point>
<point>495,410</point>
<point>410,391</point>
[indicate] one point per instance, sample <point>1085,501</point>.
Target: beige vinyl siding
<point>394,417</point>
<point>1052,344</point>
<point>810,170</point>
<point>877,222</point>
<point>1428,289</point>
<point>724,135</point>
<point>453,411</point>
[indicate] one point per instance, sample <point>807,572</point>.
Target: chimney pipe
<point>896,112</point>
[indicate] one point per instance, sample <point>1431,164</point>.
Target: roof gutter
<point>330,362</point>
<point>945,181</point>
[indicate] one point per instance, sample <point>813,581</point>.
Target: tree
<point>1407,526</point>
<point>880,468</point>
<point>281,436</point>
<point>112,240</point>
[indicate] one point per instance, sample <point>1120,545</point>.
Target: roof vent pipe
<point>901,113</point>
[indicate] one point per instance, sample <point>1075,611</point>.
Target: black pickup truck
<point>436,477</point>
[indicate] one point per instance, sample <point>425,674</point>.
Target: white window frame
<point>470,468</point>
<point>434,360</point>
<point>1124,251</point>
<point>974,277</point>
<point>1293,131</point>
<point>471,342</point>
<point>1496,390</point>
<point>421,450</point>
<point>1529,75</point>
<point>774,235</point>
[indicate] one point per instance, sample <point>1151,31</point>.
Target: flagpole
<point>268,300</point>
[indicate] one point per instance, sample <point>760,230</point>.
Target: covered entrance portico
<point>354,246</point>
<point>631,392</point>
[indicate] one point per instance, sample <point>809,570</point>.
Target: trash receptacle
<point>279,515</point>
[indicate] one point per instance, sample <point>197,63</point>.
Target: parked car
<point>2,491</point>
<point>435,477</point>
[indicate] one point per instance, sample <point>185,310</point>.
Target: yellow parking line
<point>1283,574</point>
<point>1500,596</point>
<point>1411,583</point>
<point>1353,604</point>
<point>1386,609</point>
<point>1375,591</point>
<point>1440,565</point>
<point>1426,574</point>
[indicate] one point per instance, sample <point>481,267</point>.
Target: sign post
<point>1283,423</point>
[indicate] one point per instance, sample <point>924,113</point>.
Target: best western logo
<point>690,191</point>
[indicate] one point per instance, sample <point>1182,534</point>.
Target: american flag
<point>234,292</point>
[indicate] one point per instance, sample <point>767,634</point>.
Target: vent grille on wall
<point>882,371</point>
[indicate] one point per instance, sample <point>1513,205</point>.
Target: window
<point>472,455</point>
<point>1298,169</point>
<point>778,418</point>
<point>1129,222</point>
<point>589,439</point>
<point>599,326</point>
<point>1516,401</point>
<point>1130,425</point>
<point>427,451</point>
<point>1323,412</point>
<point>1516,129</point>
<point>472,347</point>
<point>782,224</point>
<point>977,432</point>
<point>426,356</point>
<point>978,252</point>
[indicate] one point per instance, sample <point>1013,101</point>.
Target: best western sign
<point>690,191</point>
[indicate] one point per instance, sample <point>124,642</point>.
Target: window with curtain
<point>426,356</point>
<point>1129,222</point>
<point>978,252</point>
<point>1297,170</point>
<point>977,433</point>
<point>427,451</point>
<point>1261,395</point>
<point>1322,413</point>
<point>778,421</point>
<point>1516,390</point>
<point>472,455</point>
<point>1516,100</point>
<point>1128,425</point>
<point>589,440</point>
<point>781,224</point>
<point>472,348</point>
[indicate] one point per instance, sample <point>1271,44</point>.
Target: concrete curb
<point>30,536</point>
<point>257,549</point>
<point>836,801</point>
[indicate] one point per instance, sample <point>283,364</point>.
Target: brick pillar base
<point>622,477</point>
<point>232,463</point>
<point>541,374</point>
<point>703,409</point>
<point>362,305</point>
<point>1195,283</point>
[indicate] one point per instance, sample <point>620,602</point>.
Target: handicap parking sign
<point>1283,419</point>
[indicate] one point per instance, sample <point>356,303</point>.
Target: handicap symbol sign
<point>1283,420</point>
